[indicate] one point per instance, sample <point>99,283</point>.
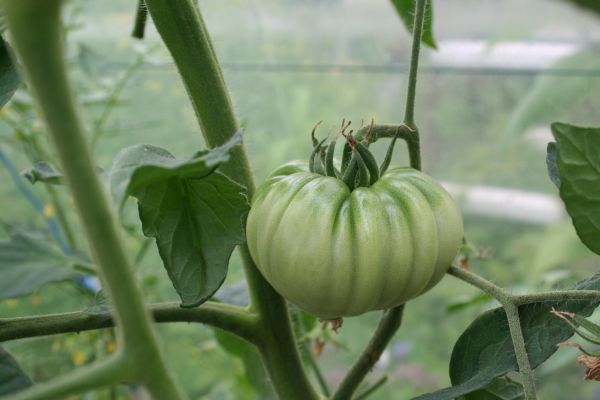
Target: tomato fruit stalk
<point>364,237</point>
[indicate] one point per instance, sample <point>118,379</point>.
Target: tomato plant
<point>335,238</point>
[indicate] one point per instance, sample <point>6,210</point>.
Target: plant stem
<point>380,382</point>
<point>409,112</point>
<point>182,28</point>
<point>508,302</point>
<point>500,294</point>
<point>388,325</point>
<point>141,15</point>
<point>101,373</point>
<point>37,35</point>
<point>235,320</point>
<point>516,334</point>
<point>403,131</point>
<point>557,295</point>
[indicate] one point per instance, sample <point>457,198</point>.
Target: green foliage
<point>140,166</point>
<point>101,305</point>
<point>484,351</point>
<point>552,163</point>
<point>500,389</point>
<point>43,172</point>
<point>27,263</point>
<point>579,170</point>
<point>9,78</point>
<point>405,9</point>
<point>254,375</point>
<point>196,214</point>
<point>12,377</point>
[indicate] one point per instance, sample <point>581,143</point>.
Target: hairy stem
<point>182,28</point>
<point>230,318</point>
<point>509,303</point>
<point>557,295</point>
<point>500,294</point>
<point>516,334</point>
<point>403,131</point>
<point>37,35</point>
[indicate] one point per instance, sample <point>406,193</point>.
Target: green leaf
<point>579,170</point>
<point>197,224</point>
<point>500,389</point>
<point>28,263</point>
<point>255,374</point>
<point>552,163</point>
<point>101,305</point>
<point>12,377</point>
<point>405,9</point>
<point>9,78</point>
<point>43,172</point>
<point>195,214</point>
<point>485,351</point>
<point>142,165</point>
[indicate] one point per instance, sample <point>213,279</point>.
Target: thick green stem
<point>235,320</point>
<point>277,345</point>
<point>184,32</point>
<point>37,35</point>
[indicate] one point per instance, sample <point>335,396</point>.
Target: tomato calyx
<point>358,167</point>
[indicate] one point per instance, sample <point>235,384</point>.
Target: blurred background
<point>503,71</point>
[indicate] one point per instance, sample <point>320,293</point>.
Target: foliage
<point>28,263</point>
<point>579,170</point>
<point>11,375</point>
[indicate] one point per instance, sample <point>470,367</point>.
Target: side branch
<point>388,325</point>
<point>232,319</point>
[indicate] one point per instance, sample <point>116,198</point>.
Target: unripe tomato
<point>338,252</point>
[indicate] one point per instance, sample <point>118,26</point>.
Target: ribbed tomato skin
<point>338,253</point>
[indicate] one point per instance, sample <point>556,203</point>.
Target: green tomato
<point>335,252</point>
